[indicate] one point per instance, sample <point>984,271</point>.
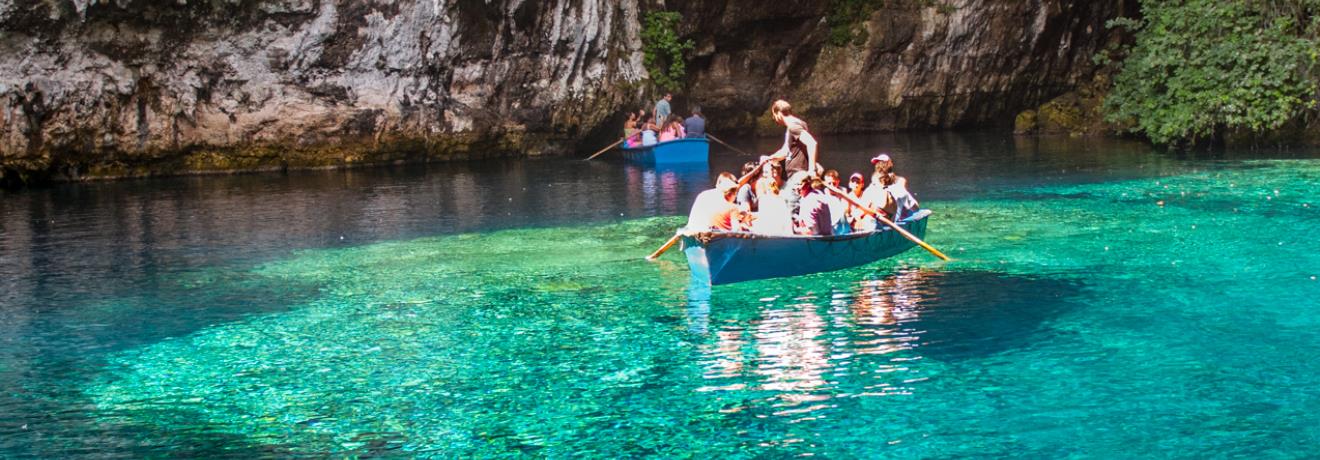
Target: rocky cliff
<point>98,88</point>
<point>913,65</point>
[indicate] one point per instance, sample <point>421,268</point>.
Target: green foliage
<point>1201,67</point>
<point>662,50</point>
<point>844,17</point>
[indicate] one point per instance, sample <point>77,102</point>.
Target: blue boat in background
<point>679,151</point>
<point>729,257</point>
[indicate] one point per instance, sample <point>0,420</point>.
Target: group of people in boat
<point>789,193</point>
<point>643,129</point>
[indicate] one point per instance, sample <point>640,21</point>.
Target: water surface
<point>1105,299</point>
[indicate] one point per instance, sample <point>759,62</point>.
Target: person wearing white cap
<point>880,162</point>
<point>888,192</point>
<point>714,209</point>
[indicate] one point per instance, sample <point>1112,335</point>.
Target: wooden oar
<point>743,180</point>
<point>607,148</point>
<point>888,222</point>
<point>726,144</point>
<point>668,244</point>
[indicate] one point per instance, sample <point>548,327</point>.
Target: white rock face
<point>129,79</point>
<point>132,87</point>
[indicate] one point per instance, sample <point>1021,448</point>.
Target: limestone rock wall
<point>98,88</point>
<point>130,87</point>
<point>923,64</point>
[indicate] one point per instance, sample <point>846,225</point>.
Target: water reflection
<point>665,189</point>
<point>880,336</point>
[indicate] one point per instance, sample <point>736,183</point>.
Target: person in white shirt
<point>888,192</point>
<point>772,215</point>
<point>858,220</point>
<point>714,209</point>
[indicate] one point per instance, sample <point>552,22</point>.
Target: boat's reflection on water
<point>665,190</point>
<point>856,340</point>
<point>795,347</point>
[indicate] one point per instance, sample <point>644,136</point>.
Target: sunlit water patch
<point>1171,314</point>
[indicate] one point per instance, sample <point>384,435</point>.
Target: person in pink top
<point>672,129</point>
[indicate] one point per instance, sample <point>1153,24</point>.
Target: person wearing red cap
<point>859,220</point>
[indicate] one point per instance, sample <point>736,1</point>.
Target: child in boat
<point>648,132</point>
<point>672,130</point>
<point>771,172</point>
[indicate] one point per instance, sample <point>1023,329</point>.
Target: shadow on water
<point>961,315</point>
<point>50,418</point>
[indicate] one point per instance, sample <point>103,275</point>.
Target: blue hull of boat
<point>681,151</point>
<point>745,257</point>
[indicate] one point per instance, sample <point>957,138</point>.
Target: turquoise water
<point>1160,307</point>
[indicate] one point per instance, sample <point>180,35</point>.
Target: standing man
<point>662,108</point>
<point>799,150</point>
<point>695,125</point>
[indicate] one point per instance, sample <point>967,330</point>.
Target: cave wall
<point>133,87</point>
<point>922,65</point>
<point>111,88</point>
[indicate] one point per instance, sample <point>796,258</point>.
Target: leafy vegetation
<point>662,50</point>
<point>1199,68</point>
<point>844,17</point>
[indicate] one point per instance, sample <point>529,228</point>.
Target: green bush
<point>844,17</point>
<point>1201,67</point>
<point>662,51</point>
